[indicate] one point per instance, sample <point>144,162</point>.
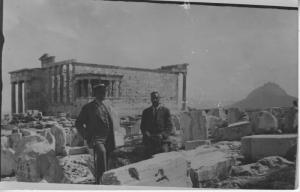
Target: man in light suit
<point>156,126</point>
<point>96,123</point>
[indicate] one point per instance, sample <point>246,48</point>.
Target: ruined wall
<point>36,94</point>
<point>136,86</point>
<point>53,89</point>
<point>33,82</point>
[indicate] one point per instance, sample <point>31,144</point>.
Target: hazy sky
<point>231,50</point>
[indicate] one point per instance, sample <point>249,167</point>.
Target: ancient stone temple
<point>66,86</point>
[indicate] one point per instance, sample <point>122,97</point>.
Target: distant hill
<point>207,103</point>
<point>266,96</point>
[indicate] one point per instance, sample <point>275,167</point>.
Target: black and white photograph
<point>166,94</point>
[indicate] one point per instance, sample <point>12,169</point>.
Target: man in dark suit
<point>156,126</point>
<point>97,123</point>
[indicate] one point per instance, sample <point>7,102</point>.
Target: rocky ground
<point>50,150</point>
<point>268,173</point>
<point>32,150</point>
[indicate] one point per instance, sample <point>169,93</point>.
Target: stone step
<point>195,143</point>
<point>77,150</point>
<point>76,169</point>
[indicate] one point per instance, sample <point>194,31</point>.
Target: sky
<point>230,50</point>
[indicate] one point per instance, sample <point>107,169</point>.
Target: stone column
<point>25,87</point>
<point>82,88</point>
<point>86,87</point>
<point>13,98</point>
<point>113,88</point>
<point>61,90</point>
<point>55,85</point>
<point>49,85</point>
<point>119,89</point>
<point>106,92</point>
<point>67,84</point>
<point>77,88</point>
<point>58,88</point>
<point>116,89</point>
<point>184,91</point>
<point>20,97</point>
<point>72,83</point>
<point>58,84</point>
<point>52,87</point>
<point>90,91</point>
<point>109,88</point>
<point>51,92</point>
<point>64,84</point>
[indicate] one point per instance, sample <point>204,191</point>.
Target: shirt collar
<point>97,102</point>
<point>159,105</point>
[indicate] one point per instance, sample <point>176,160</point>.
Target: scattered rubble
<point>8,162</point>
<point>201,164</point>
<point>259,146</point>
<point>40,148</point>
<point>207,164</point>
<point>73,138</point>
<point>212,123</point>
<point>4,142</point>
<point>193,125</point>
<point>32,148</point>
<point>166,169</point>
<point>268,173</point>
<point>50,137</point>
<point>232,148</point>
<point>14,139</point>
<point>60,139</point>
<point>236,115</point>
<point>76,170</point>
<point>265,123</point>
<point>36,160</point>
<point>233,131</point>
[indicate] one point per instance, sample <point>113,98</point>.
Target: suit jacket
<point>162,124</point>
<point>91,117</point>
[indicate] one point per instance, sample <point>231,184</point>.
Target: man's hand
<point>164,136</point>
<point>147,133</point>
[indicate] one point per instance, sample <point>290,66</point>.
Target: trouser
<point>154,145</point>
<point>100,159</point>
<point>100,156</point>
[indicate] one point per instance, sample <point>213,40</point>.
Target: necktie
<point>155,113</point>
